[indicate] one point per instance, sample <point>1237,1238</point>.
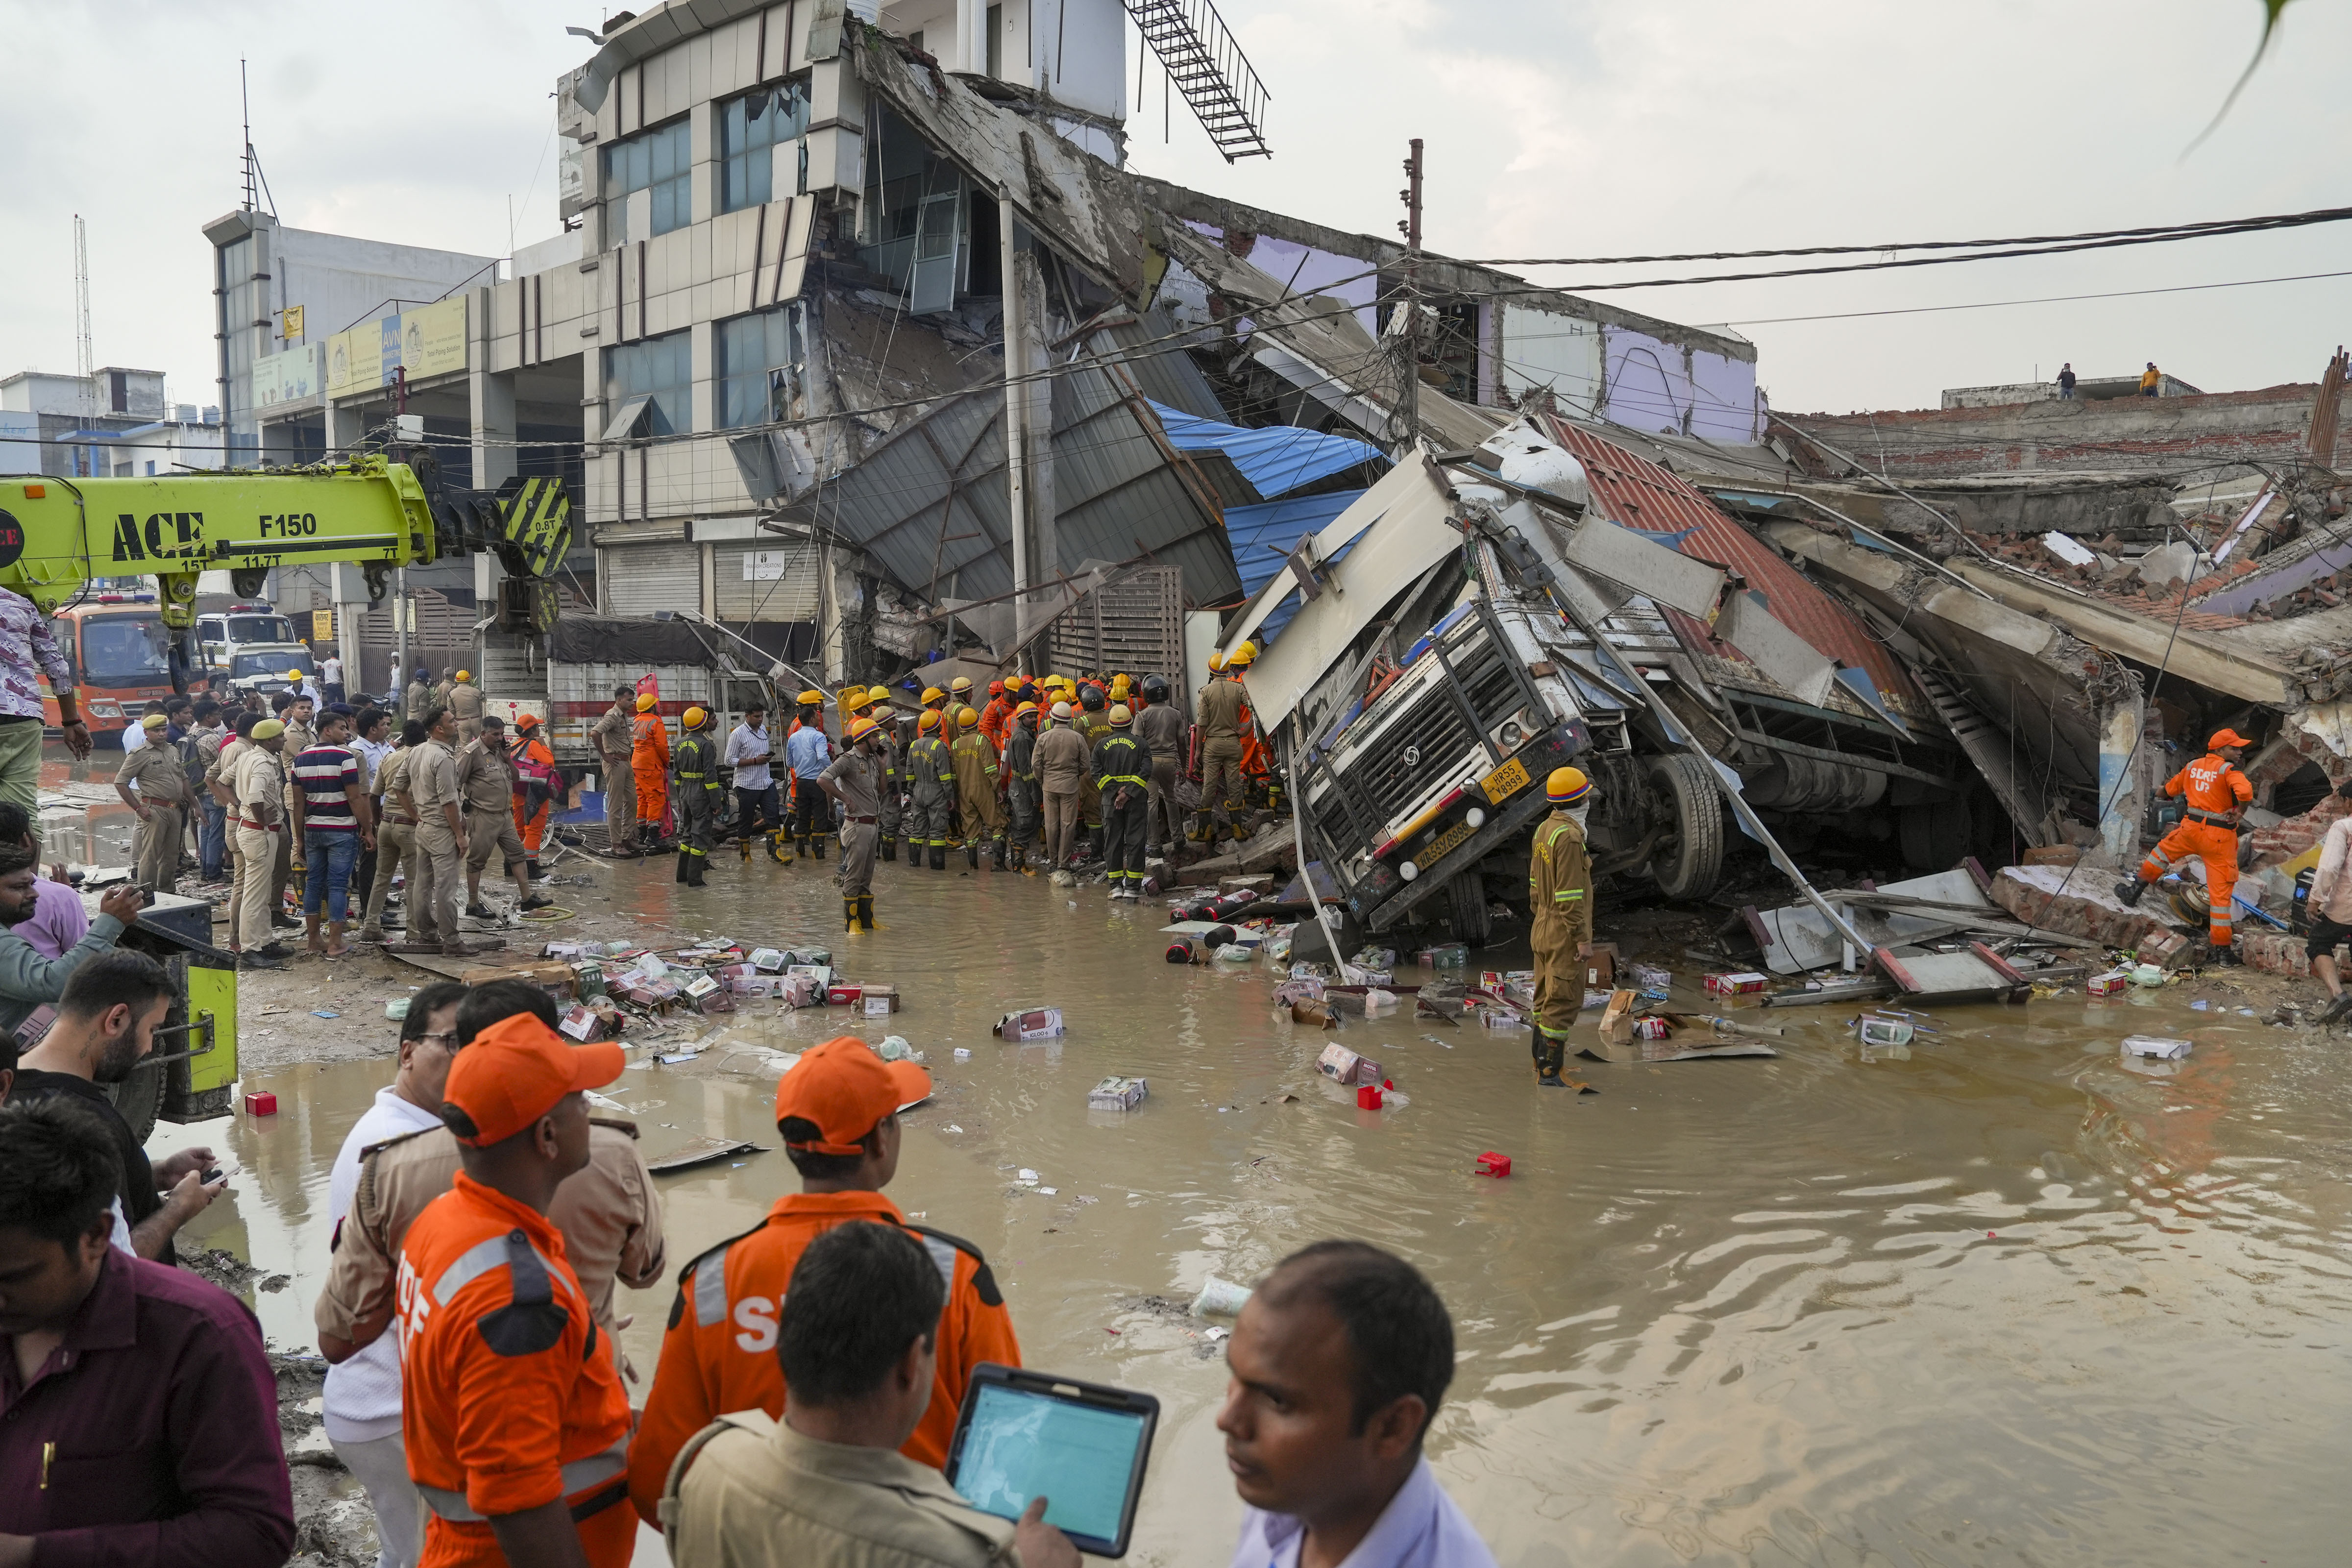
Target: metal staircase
<point>1207,66</point>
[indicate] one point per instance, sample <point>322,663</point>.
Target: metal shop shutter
<point>774,581</point>
<point>639,579</point>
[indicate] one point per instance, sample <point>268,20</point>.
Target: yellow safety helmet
<point>1025,708</point>
<point>931,721</point>
<point>693,718</point>
<point>1119,715</point>
<point>933,694</point>
<point>1119,686</point>
<point>1567,787</point>
<point>960,685</point>
<point>465,675</point>
<point>645,700</point>
<point>812,698</point>
<point>859,703</point>
<point>1242,657</point>
<point>967,717</point>
<point>1216,662</point>
<point>861,727</point>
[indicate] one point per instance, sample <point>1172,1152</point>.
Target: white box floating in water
<point>2154,1045</point>
<point>1117,1094</point>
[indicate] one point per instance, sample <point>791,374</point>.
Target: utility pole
<point>1409,396</point>
<point>1016,433</point>
<point>84,357</point>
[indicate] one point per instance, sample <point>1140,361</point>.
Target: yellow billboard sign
<point>291,328</point>
<point>322,626</point>
<point>430,340</point>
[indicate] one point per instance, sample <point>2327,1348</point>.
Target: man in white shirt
<point>1337,1363</point>
<point>362,1405</point>
<point>331,677</point>
<point>752,756</point>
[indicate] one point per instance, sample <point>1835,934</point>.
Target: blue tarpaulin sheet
<point>1277,460</point>
<point>1263,536</point>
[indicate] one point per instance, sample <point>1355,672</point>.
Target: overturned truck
<point>1481,618</point>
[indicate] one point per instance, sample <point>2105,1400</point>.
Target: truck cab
<point>254,645</point>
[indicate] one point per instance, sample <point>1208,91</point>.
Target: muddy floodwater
<point>2002,1299</point>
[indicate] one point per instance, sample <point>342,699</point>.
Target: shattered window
<point>748,128</point>
<point>659,368</point>
<point>759,363</point>
<point>659,160</point>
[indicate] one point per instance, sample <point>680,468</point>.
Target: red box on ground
<point>261,1103</point>
<point>1493,1165</point>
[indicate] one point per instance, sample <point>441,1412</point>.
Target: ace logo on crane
<point>166,535</point>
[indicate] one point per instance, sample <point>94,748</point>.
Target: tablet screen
<point>1080,1456</point>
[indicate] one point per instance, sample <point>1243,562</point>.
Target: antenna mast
<point>85,361</point>
<point>256,183</point>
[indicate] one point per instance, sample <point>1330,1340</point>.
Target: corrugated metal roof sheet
<point>1147,346</point>
<point>930,503</point>
<point>1265,535</point>
<point>1641,495</point>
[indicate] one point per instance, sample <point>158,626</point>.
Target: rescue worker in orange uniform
<point>511,1410</point>
<point>649,761</point>
<point>2215,791</point>
<point>534,765</point>
<point>838,1113</point>
<point>996,719</point>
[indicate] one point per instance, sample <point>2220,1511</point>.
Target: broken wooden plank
<point>701,1152</point>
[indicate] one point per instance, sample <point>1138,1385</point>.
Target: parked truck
<point>1548,600</point>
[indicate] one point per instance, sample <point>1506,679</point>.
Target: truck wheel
<point>1689,857</point>
<point>139,1100</point>
<point>1465,908</point>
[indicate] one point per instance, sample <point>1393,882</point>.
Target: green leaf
<point>2271,11</point>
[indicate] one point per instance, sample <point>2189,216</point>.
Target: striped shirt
<point>320,773</point>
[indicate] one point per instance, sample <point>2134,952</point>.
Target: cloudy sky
<point>1559,128</point>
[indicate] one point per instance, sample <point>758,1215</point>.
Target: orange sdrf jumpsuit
<point>533,828</point>
<point>649,760</point>
<point>2214,791</point>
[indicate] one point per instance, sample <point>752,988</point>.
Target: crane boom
<point>56,534</point>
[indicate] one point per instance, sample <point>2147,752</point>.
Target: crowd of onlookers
<point>478,1389</point>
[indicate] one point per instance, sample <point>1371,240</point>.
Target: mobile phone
<point>1082,1446</point>
<point>209,1177</point>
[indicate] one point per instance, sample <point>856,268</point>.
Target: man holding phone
<point>837,1111</point>
<point>859,1344</point>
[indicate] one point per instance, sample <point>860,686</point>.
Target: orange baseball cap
<point>515,1072</point>
<point>845,1090</point>
<point>2227,738</point>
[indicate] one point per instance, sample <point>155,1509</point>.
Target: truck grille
<point>1433,730</point>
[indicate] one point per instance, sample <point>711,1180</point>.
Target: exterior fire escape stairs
<point>1206,65</point>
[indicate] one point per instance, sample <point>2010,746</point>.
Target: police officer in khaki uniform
<point>466,702</point>
<point>609,1214</point>
<point>1219,706</point>
<point>395,839</point>
<point>614,736</point>
<point>162,803</point>
<point>1560,899</point>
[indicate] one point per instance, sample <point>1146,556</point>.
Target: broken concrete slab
<point>1801,940</point>
<point>2083,904</point>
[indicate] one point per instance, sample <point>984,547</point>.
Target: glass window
<point>659,160</point>
<point>661,368</point>
<point>759,356</point>
<point>260,628</point>
<point>748,127</point>
<point>123,650</point>
<point>246,664</point>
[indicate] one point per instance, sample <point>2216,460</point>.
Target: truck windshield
<point>260,628</point>
<point>276,664</point>
<point>124,650</point>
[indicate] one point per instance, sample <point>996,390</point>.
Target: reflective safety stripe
<point>1569,893</point>
<point>683,775</point>
<point>710,1290</point>
<point>944,1255</point>
<point>479,1259</point>
<point>578,1477</point>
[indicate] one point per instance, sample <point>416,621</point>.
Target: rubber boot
<point>1555,1058</point>
<point>818,842</point>
<point>745,843</point>
<point>801,847</point>
<point>971,852</point>
<point>938,856</point>
<point>682,858</point>
<point>914,854</point>
<point>2225,957</point>
<point>996,853</point>
<point>2127,892</point>
<point>864,911</point>
<point>849,914</point>
<point>1094,842</point>
<point>1535,1049</point>
<point>889,849</point>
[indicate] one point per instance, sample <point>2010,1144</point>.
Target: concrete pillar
<point>347,587</point>
<point>491,396</point>
<point>346,424</point>
<point>2123,780</point>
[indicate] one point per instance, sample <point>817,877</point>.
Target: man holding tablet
<point>861,1330</point>
<point>1338,1363</point>
<point>838,1113</point>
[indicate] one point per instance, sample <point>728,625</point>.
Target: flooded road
<point>2004,1300</point>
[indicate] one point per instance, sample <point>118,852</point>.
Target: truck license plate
<point>1505,782</point>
